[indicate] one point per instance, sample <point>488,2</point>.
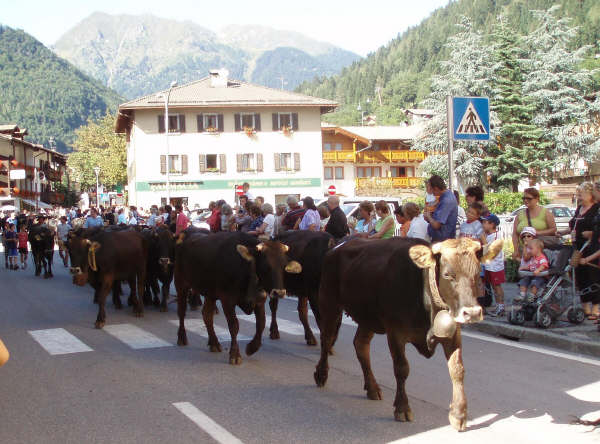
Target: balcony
<point>369,156</point>
<point>384,183</point>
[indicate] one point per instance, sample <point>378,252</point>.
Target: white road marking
<point>528,426</point>
<point>135,337</point>
<point>217,432</point>
<point>197,326</point>
<point>289,327</point>
<point>533,348</point>
<point>587,393</point>
<point>58,341</point>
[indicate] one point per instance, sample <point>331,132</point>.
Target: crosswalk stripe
<point>217,432</point>
<point>135,337</point>
<point>197,326</point>
<point>289,327</point>
<point>58,341</point>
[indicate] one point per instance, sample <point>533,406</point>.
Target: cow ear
<point>286,248</point>
<point>89,242</point>
<point>422,256</point>
<point>243,251</point>
<point>491,251</point>
<point>293,267</point>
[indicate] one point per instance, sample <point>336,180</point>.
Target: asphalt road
<point>67,382</point>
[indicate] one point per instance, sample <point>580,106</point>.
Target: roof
<point>420,112</point>
<point>201,94</point>
<point>8,128</point>
<point>34,146</point>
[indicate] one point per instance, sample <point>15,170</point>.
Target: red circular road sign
<point>331,190</point>
<point>239,190</point>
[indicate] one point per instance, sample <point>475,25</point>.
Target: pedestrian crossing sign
<point>471,118</point>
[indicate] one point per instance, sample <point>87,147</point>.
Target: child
<point>11,243</point>
<point>4,231</point>
<point>535,261</point>
<point>472,228</point>
<point>494,270</point>
<point>23,247</point>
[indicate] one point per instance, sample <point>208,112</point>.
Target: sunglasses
<point>527,199</point>
<point>526,236</point>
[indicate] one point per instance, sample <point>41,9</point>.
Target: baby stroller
<point>558,297</point>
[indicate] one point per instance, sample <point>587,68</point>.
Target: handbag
<point>549,241</point>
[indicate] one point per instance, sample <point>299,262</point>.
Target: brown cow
<point>389,287</point>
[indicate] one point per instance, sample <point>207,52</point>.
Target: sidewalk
<point>576,338</point>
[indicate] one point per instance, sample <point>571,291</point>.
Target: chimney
<point>219,78</point>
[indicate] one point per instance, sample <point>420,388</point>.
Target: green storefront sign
<point>200,185</point>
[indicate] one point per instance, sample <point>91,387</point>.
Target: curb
<point>543,337</point>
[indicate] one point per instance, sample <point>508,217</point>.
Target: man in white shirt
<point>418,224</point>
<point>62,231</point>
<point>246,188</point>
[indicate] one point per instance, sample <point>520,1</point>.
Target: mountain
<point>44,93</point>
<point>137,55</point>
<point>398,74</point>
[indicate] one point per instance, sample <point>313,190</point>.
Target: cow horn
<point>436,299</point>
<point>89,242</point>
<point>180,239</point>
<point>243,251</point>
<point>92,255</point>
<point>285,248</point>
<point>260,247</point>
<point>492,250</point>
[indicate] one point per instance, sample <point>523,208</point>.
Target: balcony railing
<point>374,156</point>
<point>388,182</point>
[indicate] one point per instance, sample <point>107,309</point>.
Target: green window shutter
<point>275,122</point>
<point>259,162</point>
<point>239,163</point>
<point>277,161</point>
<point>202,163</point>
<point>238,122</point>
<point>200,120</point>
<point>220,125</point>
<point>163,163</point>
<point>184,164</point>
<point>296,161</point>
<point>181,123</point>
<point>161,124</point>
<point>257,122</point>
<point>222,163</point>
<point>295,121</point>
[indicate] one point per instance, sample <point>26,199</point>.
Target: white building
<point>222,133</point>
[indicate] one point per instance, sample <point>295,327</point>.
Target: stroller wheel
<point>575,315</point>
<point>516,317</point>
<point>543,318</point>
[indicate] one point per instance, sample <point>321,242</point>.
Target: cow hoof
<point>404,416</point>
<point>311,341</point>
<point>138,313</point>
<point>215,348</point>
<point>458,422</point>
<point>163,309</point>
<point>252,347</point>
<point>235,360</point>
<point>37,273</point>
<point>156,302</point>
<point>99,324</point>
<point>182,340</point>
<point>375,394</point>
<point>331,352</point>
<point>274,334</point>
<point>320,378</point>
<point>193,307</point>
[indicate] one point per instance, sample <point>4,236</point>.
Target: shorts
<point>533,281</point>
<point>495,277</point>
<point>12,252</point>
<point>23,250</point>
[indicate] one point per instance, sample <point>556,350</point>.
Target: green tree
<point>97,145</point>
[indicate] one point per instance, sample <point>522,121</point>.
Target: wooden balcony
<point>369,156</point>
<point>388,182</point>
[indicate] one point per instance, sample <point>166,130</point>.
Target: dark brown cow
<point>235,268</point>
<point>106,257</point>
<point>389,287</point>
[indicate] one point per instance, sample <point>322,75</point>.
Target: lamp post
<point>167,96</point>
<point>97,171</point>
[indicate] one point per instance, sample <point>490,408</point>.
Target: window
<point>339,172</point>
<point>398,171</point>
<point>328,173</point>
<point>178,164</point>
<point>249,162</point>
<point>327,147</point>
<point>368,171</point>
<point>338,147</point>
<point>212,163</point>
<point>211,123</point>
<point>247,120</point>
<point>288,120</point>
<point>287,161</point>
<point>176,123</point>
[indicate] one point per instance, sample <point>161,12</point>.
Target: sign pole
<point>449,112</point>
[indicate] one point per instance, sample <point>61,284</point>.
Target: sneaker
<point>499,312</point>
<point>518,299</point>
<point>531,298</point>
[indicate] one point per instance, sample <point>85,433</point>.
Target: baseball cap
<point>492,218</point>
<point>528,230</point>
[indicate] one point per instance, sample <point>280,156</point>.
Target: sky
<point>360,26</point>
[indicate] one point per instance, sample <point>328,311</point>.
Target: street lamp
<point>97,171</point>
<point>166,97</point>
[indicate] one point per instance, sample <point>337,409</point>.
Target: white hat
<point>528,230</point>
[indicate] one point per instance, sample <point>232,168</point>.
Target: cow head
<point>271,263</point>
<point>81,253</point>
<point>166,247</point>
<point>454,267</point>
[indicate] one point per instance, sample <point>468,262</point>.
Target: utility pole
<point>97,171</point>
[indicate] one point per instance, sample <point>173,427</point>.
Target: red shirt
<point>214,221</point>
<point>22,239</point>
<point>181,223</point>
<point>539,261</point>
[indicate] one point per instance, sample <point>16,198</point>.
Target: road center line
<point>217,432</point>
<point>58,341</point>
<point>533,348</point>
<point>135,337</point>
<point>197,326</point>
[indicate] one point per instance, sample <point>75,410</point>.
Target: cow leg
<point>50,260</point>
<point>181,309</point>
<point>101,295</point>
<point>136,295</point>
<point>208,312</point>
<point>362,345</point>
<point>396,344</point>
<point>254,345</point>
<point>116,296</point>
<point>273,329</point>
<point>165,295</point>
<point>232,322</point>
<point>331,319</point>
<point>153,282</point>
<point>38,265</point>
<point>303,315</point>
<point>458,408</point>
<point>194,300</point>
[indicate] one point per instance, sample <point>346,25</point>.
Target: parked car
<point>350,207</point>
<point>562,214</point>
